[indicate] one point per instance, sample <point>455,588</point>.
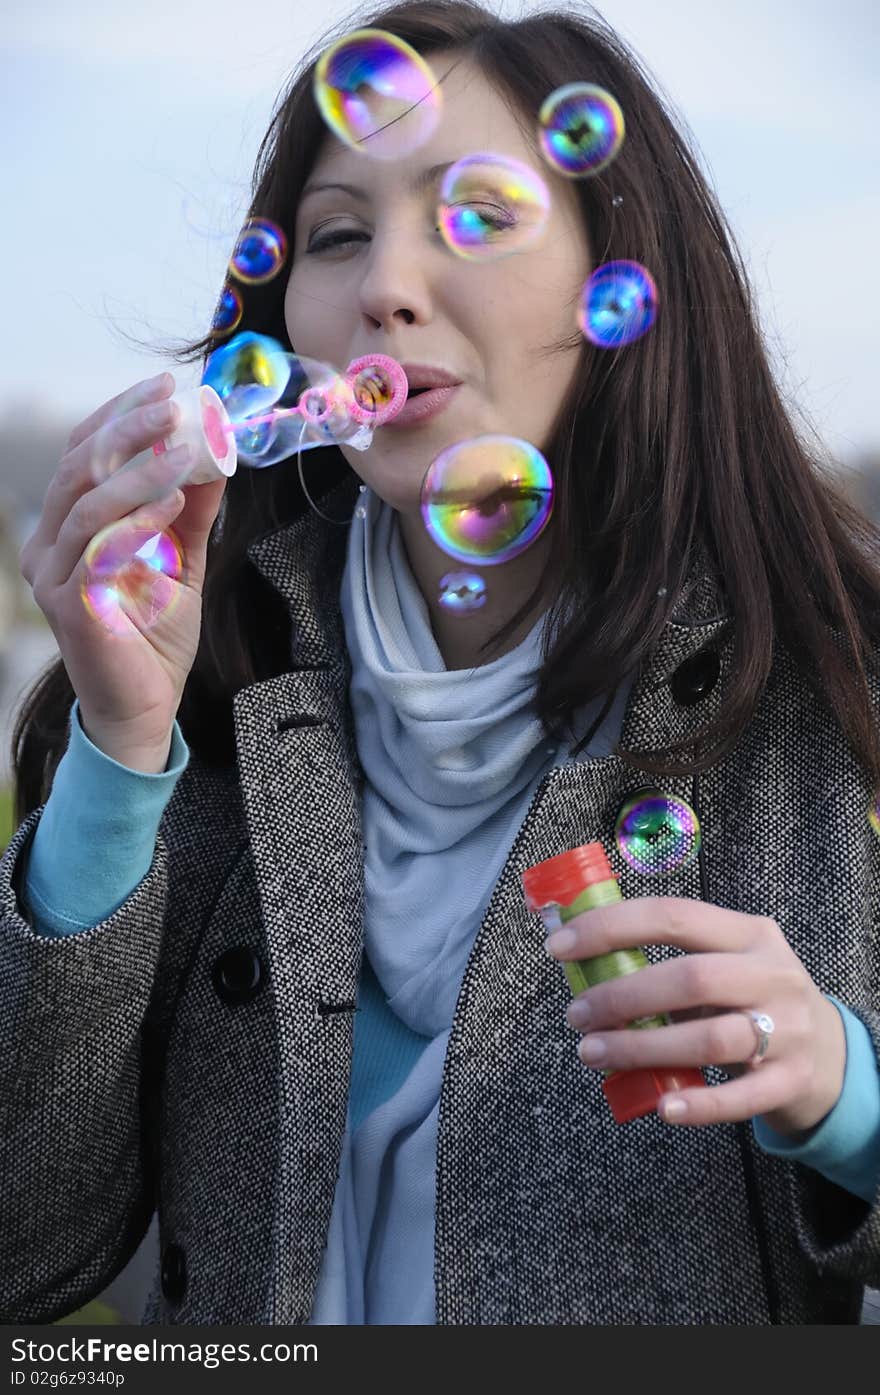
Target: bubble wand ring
<point>372,377</point>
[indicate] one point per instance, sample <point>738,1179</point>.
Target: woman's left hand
<point>735,961</point>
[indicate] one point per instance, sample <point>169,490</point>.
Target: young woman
<point>266,965</point>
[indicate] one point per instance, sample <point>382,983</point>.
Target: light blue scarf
<point>452,759</point>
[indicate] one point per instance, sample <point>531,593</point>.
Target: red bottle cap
<point>560,880</point>
<point>635,1093</point>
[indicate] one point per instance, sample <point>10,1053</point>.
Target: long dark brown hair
<point>679,442</point>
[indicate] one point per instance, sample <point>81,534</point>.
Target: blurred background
<point>131,136</point>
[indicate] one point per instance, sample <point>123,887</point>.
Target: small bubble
<point>229,312</point>
<point>657,833</point>
<point>259,253</point>
<point>461,593</point>
<point>618,304</point>
<point>617,200</point>
<point>580,129</point>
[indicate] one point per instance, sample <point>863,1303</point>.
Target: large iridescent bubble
<point>580,129</point>
<point>618,304</point>
<point>491,206</point>
<point>484,501</point>
<point>133,576</point>
<point>657,833</point>
<point>377,94</point>
<point>259,253</point>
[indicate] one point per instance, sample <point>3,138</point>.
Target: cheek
<point>292,306</point>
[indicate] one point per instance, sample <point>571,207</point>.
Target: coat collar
<point>304,560</point>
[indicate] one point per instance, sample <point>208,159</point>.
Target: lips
<point>423,406</point>
<point>428,375</point>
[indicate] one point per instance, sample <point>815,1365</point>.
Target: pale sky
<point>131,132</point>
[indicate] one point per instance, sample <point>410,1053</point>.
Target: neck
<point>460,637</point>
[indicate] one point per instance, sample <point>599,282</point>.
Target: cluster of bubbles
<point>259,253</point>
<point>380,97</point>
<point>280,402</point>
<point>484,500</point>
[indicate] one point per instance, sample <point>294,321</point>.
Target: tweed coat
<point>192,1052</point>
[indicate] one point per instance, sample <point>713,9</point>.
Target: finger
<point>149,390</point>
<point>193,525</point>
<point>113,500</point>
<point>762,1089</point>
<point>715,1041</point>
<point>96,459</point>
<point>729,980</point>
<point>661,920</point>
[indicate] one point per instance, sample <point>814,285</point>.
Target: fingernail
<point>159,415</point>
<point>578,1014</point>
<point>592,1049</point>
<point>675,1109</point>
<point>560,940</point>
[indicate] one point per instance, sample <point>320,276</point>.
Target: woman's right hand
<point>130,685</point>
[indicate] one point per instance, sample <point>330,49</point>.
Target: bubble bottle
<point>562,887</point>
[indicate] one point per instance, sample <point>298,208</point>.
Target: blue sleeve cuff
<point>97,834</point>
<point>845,1145</point>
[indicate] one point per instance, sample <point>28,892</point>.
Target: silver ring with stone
<point>764,1028</point>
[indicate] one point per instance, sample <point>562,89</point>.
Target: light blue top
<point>94,844</point>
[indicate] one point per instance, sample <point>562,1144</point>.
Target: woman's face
<point>396,288</point>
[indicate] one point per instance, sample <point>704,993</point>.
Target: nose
<point>394,287</point>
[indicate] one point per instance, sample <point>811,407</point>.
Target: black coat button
<point>173,1273</point>
<point>694,680</point>
<point>237,974</point>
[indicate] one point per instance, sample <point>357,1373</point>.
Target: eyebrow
<point>417,185</point>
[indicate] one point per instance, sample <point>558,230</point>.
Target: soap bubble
<point>380,387</point>
<point>461,593</point>
<point>874,814</point>
<point>484,501</point>
<point>260,252</point>
<point>229,312</point>
<point>580,129</point>
<point>133,575</point>
<point>377,94</point>
<point>657,833</point>
<point>491,206</point>
<point>618,304</point>
<point>249,374</point>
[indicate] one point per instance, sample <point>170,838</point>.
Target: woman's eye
<point>497,218</point>
<point>334,239</point>
<point>490,214</point>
